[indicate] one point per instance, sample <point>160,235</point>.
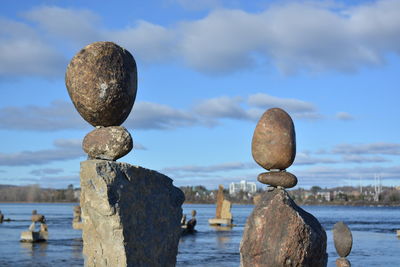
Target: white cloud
<point>46,171</point>
<point>344,116</point>
<point>293,36</point>
<point>222,107</point>
<point>372,148</point>
<point>23,52</point>
<point>77,25</point>
<point>64,149</point>
<point>148,115</point>
<point>60,115</point>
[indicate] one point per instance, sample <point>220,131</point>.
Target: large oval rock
<point>102,83</point>
<point>284,179</point>
<point>342,238</point>
<point>274,140</point>
<point>108,143</point>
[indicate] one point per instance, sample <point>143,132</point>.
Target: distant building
<point>244,186</point>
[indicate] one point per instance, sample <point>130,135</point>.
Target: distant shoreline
<point>238,203</point>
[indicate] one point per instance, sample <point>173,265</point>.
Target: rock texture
<point>279,233</point>
<point>109,143</point>
<point>274,140</point>
<point>342,238</point>
<point>102,82</point>
<point>284,179</point>
<point>343,262</point>
<point>132,215</point>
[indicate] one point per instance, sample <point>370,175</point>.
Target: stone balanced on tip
<point>278,232</point>
<point>343,240</point>
<point>102,83</point>
<point>274,148</point>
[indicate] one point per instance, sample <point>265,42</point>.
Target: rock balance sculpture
<point>33,236</point>
<point>1,217</point>
<point>131,215</point>
<point>77,220</point>
<point>223,215</point>
<point>343,240</point>
<point>278,232</point>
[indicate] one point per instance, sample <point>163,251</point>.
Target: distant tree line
<point>33,193</point>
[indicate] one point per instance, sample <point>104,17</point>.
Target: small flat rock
<point>284,179</point>
<point>274,140</point>
<point>108,143</point>
<point>343,262</point>
<point>342,238</point>
<point>102,83</point>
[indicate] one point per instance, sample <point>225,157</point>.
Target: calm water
<point>375,242</point>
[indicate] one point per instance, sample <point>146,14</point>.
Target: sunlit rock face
<point>132,215</point>
<point>279,233</point>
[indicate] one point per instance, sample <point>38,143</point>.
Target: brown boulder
<point>342,238</point>
<point>274,140</point>
<point>279,233</point>
<point>109,143</point>
<point>102,82</point>
<point>284,179</point>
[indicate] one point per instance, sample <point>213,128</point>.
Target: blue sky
<point>207,70</point>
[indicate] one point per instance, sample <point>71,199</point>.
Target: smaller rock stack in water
<point>31,235</point>
<point>77,220</point>
<point>343,240</point>
<point>1,217</point>
<point>223,215</point>
<point>278,232</point>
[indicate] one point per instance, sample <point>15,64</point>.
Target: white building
<point>244,186</point>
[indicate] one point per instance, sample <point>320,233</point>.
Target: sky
<point>207,70</point>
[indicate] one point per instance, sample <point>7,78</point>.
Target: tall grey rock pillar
<point>278,233</point>
<point>131,215</point>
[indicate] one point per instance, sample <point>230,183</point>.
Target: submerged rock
<point>274,140</point>
<point>279,233</point>
<point>102,83</point>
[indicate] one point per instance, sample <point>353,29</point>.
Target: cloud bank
<point>292,36</point>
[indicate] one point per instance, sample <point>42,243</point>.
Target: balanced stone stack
<point>77,220</point>
<point>1,217</point>
<point>223,215</point>
<point>343,240</point>
<point>278,232</point>
<point>131,215</point>
<point>32,236</point>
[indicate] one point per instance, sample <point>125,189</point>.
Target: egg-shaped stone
<point>274,140</point>
<point>108,143</point>
<point>284,179</point>
<point>102,83</point>
<point>342,238</point>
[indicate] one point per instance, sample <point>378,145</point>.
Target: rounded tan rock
<point>274,140</point>
<point>284,179</point>
<point>342,238</point>
<point>343,262</point>
<point>109,143</point>
<point>102,83</point>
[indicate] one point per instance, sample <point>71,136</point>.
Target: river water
<point>374,239</point>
